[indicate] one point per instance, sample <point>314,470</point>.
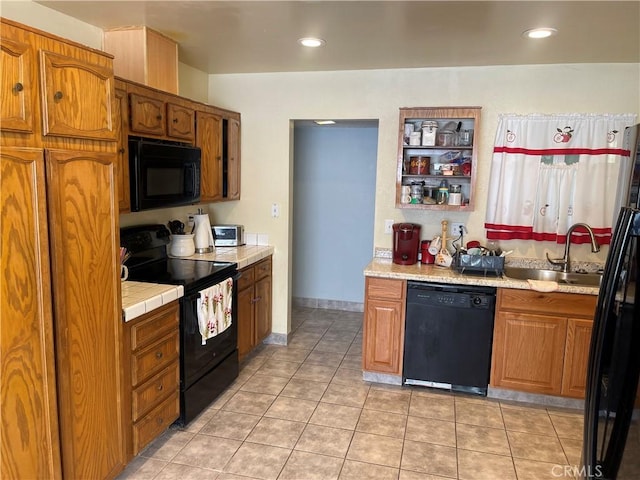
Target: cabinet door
<point>85,271</point>
<point>147,115</point>
<point>246,331</point>
<point>383,336</point>
<point>234,160</point>
<point>209,139</point>
<point>120,115</point>
<point>576,357</point>
<point>263,308</point>
<point>76,98</point>
<point>181,122</point>
<point>528,352</point>
<point>29,427</point>
<point>17,86</point>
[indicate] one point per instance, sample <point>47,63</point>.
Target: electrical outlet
<point>275,210</point>
<point>457,229</point>
<point>388,226</point>
<point>190,221</point>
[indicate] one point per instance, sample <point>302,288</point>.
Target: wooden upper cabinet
<point>144,56</point>
<point>83,219</point>
<point>17,87</point>
<point>181,122</point>
<point>76,97</point>
<point>209,139</point>
<point>120,112</point>
<point>29,427</point>
<point>156,116</point>
<point>147,114</point>
<point>233,145</point>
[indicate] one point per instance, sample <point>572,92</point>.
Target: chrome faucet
<point>565,261</point>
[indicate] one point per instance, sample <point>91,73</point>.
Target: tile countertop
<point>243,256</point>
<point>385,268</point>
<point>139,298</point>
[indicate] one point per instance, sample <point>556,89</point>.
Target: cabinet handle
<point>159,117</point>
<point>158,355</point>
<point>121,150</point>
<point>160,387</point>
<point>57,96</point>
<point>18,87</point>
<point>175,120</point>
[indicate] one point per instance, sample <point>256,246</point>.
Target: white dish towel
<point>214,309</point>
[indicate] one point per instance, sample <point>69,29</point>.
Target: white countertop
<point>385,268</point>
<point>243,256</point>
<point>139,298</point>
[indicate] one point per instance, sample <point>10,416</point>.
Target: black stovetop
<point>149,261</point>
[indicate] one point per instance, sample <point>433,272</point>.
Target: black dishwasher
<point>448,336</point>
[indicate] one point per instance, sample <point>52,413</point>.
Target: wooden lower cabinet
<point>576,357</point>
<point>152,400</point>
<point>541,342</point>
<point>383,340</point>
<point>254,305</point>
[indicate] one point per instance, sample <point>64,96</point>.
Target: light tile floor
<point>303,412</point>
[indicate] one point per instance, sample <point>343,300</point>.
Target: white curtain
<point>549,172</point>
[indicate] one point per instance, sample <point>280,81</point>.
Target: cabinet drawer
<point>159,419</point>
<point>263,268</point>
<point>151,360</point>
<point>247,278</point>
<point>571,304</point>
<point>154,390</point>
<point>386,288</point>
<point>156,324</point>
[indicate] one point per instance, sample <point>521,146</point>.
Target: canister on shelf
<point>429,130</point>
<point>414,138</point>
<point>419,165</point>
<point>455,194</point>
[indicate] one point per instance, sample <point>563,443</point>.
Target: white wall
<point>268,102</point>
<point>333,210</point>
<point>51,21</point>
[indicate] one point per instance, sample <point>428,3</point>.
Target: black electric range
<point>205,370</point>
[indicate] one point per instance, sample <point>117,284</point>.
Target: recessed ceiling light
<point>539,32</point>
<point>311,42</point>
<point>324,122</point>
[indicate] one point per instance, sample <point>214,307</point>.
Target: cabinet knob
<point>158,355</point>
<point>158,117</point>
<point>121,150</point>
<point>18,87</point>
<point>160,387</point>
<point>160,421</point>
<point>175,120</point>
<point>57,96</point>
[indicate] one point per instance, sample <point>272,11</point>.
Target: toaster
<point>228,235</point>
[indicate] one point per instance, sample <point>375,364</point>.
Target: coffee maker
<point>406,241</point>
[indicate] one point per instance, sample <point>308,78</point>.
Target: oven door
<point>196,359</point>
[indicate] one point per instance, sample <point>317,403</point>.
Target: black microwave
<point>163,174</point>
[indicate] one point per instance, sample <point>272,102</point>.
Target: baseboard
<point>327,304</point>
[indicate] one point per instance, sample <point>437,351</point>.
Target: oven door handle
<point>196,295</point>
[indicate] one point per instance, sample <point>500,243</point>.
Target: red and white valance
<point>549,172</point>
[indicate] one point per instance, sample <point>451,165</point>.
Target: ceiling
<point>261,36</point>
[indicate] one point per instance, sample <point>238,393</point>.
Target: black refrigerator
<point>611,440</point>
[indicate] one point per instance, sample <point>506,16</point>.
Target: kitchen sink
<point>569,278</point>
